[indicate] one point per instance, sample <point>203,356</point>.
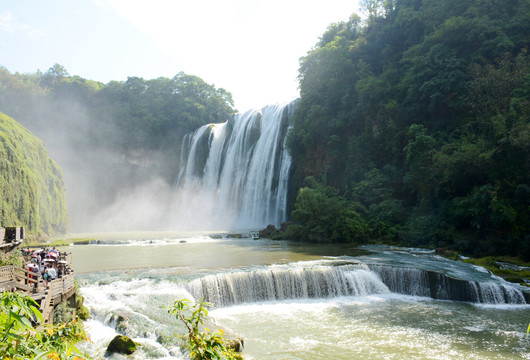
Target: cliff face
<point>31,183</point>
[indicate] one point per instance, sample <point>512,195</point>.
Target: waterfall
<point>440,286</point>
<point>236,173</point>
<point>284,283</point>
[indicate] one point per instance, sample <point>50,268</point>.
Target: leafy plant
<point>203,345</point>
<point>19,339</point>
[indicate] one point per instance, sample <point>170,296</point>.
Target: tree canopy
<point>419,115</point>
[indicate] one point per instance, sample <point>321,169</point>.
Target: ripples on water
<point>129,287</point>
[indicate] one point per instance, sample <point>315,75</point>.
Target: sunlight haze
<point>250,48</point>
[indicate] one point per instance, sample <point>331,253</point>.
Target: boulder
<point>235,344</point>
<point>268,231</point>
<point>122,345</point>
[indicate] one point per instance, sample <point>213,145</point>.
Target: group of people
<point>46,263</point>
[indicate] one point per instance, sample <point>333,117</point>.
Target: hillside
<point>31,183</point>
<point>414,124</point>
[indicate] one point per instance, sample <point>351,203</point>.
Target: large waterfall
<point>236,174</point>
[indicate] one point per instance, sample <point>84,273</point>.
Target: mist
<point>106,189</point>
<point>120,144</point>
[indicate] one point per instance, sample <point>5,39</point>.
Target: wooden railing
<point>13,277</point>
<point>58,290</point>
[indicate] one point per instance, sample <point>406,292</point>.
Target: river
<point>292,301</point>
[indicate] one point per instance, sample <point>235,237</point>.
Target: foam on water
<point>369,322</point>
<point>154,241</point>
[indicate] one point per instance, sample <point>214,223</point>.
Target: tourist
<point>46,275</point>
<point>59,270</point>
<point>33,273</point>
<point>52,273</point>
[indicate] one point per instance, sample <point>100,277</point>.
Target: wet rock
<point>83,312</point>
<point>122,345</point>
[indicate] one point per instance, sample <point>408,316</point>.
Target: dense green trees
<point>419,117</point>
<point>326,216</point>
<point>133,114</point>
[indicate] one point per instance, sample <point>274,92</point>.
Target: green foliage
<point>202,345</point>
<point>13,257</point>
<point>83,313</point>
<point>136,113</point>
<point>31,183</point>
<point>324,216</point>
<point>420,119</point>
<point>154,114</point>
<point>20,340</point>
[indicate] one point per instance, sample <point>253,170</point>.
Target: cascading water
<point>280,283</point>
<point>334,280</point>
<point>289,300</point>
<point>436,285</point>
<point>236,173</point>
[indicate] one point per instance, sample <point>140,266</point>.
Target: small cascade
<point>236,173</point>
<point>493,293</point>
<point>436,285</point>
<point>287,283</point>
<point>404,280</point>
<point>335,280</point>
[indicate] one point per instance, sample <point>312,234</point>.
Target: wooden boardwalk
<point>13,278</point>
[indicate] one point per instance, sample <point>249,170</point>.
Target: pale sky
<point>249,47</point>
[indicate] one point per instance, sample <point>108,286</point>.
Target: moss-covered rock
<point>122,345</point>
<point>83,312</point>
<point>31,183</point>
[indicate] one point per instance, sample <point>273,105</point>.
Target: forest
<point>414,128</point>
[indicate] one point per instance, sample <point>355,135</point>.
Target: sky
<point>248,47</point>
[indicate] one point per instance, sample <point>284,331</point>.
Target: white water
<point>295,303</point>
<point>236,173</point>
<point>286,283</point>
<point>334,279</point>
